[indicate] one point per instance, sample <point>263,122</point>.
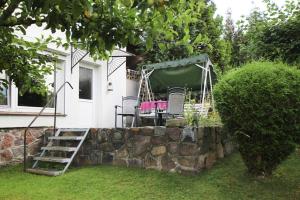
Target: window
<point>4,91</point>
<point>31,99</point>
<point>85,83</point>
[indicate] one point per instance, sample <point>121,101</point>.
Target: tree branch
<point>25,22</point>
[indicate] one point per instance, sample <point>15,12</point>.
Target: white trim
<point>31,108</point>
<point>86,100</point>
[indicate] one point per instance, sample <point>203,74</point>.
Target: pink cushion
<point>162,105</point>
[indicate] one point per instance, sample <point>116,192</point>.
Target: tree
<point>233,34</point>
<point>98,25</point>
<point>281,39</point>
<point>269,35</point>
<point>202,35</point>
<point>229,27</point>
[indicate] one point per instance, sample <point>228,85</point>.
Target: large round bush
<point>260,104</point>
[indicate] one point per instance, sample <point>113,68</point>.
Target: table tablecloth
<point>149,106</point>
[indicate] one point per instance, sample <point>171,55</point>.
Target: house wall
<point>74,112</point>
<point>132,87</point>
<point>111,98</point>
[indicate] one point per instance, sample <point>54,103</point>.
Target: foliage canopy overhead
<point>97,25</point>
<point>202,35</point>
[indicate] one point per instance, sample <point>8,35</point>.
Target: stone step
<point>65,138</point>
<point>52,159</point>
<point>59,148</point>
<point>44,172</point>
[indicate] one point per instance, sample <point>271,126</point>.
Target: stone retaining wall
<point>11,144</point>
<point>160,148</point>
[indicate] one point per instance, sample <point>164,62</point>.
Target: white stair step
<point>52,159</point>
<point>66,137</point>
<point>44,172</point>
<point>59,148</point>
<point>73,129</point>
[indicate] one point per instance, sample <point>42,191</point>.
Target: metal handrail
<point>53,97</point>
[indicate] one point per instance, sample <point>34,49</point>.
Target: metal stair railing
<point>53,98</point>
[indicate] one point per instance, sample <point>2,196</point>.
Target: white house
<point>97,87</point>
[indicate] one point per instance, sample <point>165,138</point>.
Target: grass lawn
<point>227,180</point>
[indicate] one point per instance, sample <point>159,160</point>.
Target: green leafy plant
<point>191,115</point>
<point>260,105</point>
<point>212,119</point>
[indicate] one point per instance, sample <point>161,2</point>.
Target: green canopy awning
<point>179,63</point>
<point>179,73</point>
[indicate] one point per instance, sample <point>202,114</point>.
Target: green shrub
<point>260,104</point>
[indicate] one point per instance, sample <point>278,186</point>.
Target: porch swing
<point>195,73</point>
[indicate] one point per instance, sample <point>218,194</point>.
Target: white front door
<point>86,97</point>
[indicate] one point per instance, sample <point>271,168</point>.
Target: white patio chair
<point>176,99</point>
<point>128,109</point>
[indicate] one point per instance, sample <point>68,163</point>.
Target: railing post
<point>116,116</point>
<point>155,114</point>
<point>71,58</point>
<point>55,110</point>
<point>55,102</point>
<point>24,151</point>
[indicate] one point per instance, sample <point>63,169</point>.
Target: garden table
<point>154,109</point>
<point>152,106</point>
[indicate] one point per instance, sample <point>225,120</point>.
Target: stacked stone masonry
<point>11,144</point>
<point>158,148</point>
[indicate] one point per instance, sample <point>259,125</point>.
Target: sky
<point>240,7</point>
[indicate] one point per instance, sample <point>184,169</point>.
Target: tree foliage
<point>23,62</point>
<point>234,37</point>
<point>270,35</point>
<point>97,25</point>
<point>202,35</point>
<point>260,104</point>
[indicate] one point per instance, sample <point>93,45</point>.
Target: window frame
<point>24,108</point>
<point>91,88</point>
<point>8,105</point>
